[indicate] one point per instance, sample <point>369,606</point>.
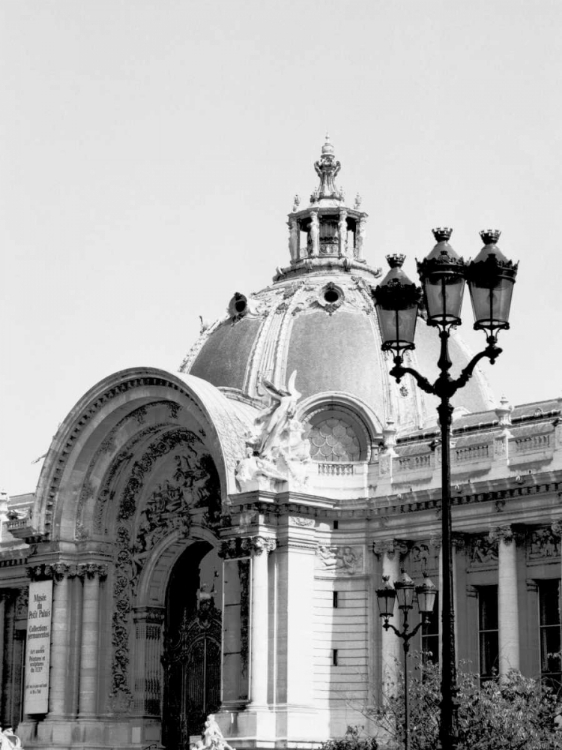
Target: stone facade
<point>215,538</point>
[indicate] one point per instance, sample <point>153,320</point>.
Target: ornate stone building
<point>211,541</point>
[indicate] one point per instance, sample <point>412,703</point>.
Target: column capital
<point>53,571</point>
<point>460,539</point>
<point>92,570</point>
<point>390,547</point>
<point>261,544</point>
<point>436,541</point>
<point>506,534</point>
<point>246,546</point>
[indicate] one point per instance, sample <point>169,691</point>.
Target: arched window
<point>336,435</point>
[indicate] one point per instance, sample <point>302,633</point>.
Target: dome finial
<point>327,169</point>
<point>327,148</point>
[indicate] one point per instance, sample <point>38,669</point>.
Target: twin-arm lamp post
<point>403,591</point>
<point>443,275</point>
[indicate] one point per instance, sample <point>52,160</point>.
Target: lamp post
<point>403,590</point>
<point>443,274</point>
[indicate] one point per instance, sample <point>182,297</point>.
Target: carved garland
<point>165,511</point>
<point>92,409</point>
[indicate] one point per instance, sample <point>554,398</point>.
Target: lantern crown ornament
<point>443,277</point>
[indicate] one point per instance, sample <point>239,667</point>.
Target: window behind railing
<point>549,625</point>
<point>488,632</point>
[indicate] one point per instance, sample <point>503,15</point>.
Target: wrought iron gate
<point>192,668</point>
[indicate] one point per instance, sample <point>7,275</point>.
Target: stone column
<point>314,234</point>
<point>89,642</point>
<point>293,239</point>
<point>342,229</point>
<point>60,643</point>
<point>391,648</point>
<point>360,237</point>
<point>259,628</point>
<point>508,610</point>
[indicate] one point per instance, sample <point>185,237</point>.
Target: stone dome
<point>318,318</point>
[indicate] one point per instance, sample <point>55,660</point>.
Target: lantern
<point>491,277</point>
<point>443,277</point>
<point>396,300</point>
<point>404,591</point>
<point>386,596</point>
<point>426,593</point>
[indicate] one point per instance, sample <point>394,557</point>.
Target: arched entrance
<point>192,645</point>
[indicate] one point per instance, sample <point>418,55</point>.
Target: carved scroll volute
<point>261,544</point>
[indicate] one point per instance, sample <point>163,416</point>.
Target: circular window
<point>331,296</point>
<point>333,440</point>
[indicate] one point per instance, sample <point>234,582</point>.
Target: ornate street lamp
<point>403,591</point>
<point>443,274</point>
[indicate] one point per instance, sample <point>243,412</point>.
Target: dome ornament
<point>327,169</point>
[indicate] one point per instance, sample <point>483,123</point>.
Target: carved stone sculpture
<point>276,449</point>
<point>9,740</point>
<point>212,737</point>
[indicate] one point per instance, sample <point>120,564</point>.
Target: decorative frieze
<point>59,570</point>
<point>246,547</point>
<point>343,560</point>
<point>301,521</point>
<point>484,550</point>
<point>544,543</point>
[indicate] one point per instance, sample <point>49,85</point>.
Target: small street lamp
<point>403,591</point>
<point>443,275</point>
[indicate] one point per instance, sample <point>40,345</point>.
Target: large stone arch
<point>142,466</point>
<point>113,413</point>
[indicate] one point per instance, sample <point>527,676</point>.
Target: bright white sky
<point>150,151</point>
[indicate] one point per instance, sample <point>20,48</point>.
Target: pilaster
<point>259,628</point>
<point>148,666</point>
<point>89,642</point>
<point>296,717</point>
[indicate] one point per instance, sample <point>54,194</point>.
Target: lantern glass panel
<point>492,306</point>
<point>426,594</point>
<point>385,599</point>
<point>405,594</point>
<point>398,327</point>
<point>443,298</point>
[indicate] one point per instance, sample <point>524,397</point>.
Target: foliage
<point>514,713</point>
<point>351,741</point>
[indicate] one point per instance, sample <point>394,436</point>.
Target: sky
<point>150,151</point>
